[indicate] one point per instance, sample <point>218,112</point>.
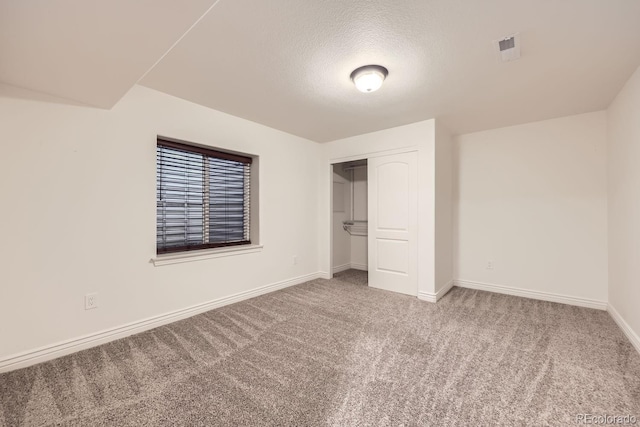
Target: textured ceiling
<point>91,51</point>
<point>286,63</point>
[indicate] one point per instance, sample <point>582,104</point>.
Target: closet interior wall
<point>349,203</point>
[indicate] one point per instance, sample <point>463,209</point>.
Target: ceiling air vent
<point>509,48</point>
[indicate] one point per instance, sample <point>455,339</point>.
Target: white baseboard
<point>356,266</point>
<point>54,351</point>
<point>633,337</point>
<point>526,293</point>
<point>435,297</point>
<point>340,268</point>
<point>443,291</point>
<point>348,266</point>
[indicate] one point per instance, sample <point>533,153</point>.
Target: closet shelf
<point>355,227</point>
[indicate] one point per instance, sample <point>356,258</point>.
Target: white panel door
<point>393,222</point>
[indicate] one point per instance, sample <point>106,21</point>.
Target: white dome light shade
<point>369,78</point>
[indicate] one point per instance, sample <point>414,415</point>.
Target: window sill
<point>191,256</point>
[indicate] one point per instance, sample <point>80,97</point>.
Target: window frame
<point>207,152</point>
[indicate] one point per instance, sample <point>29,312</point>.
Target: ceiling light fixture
<point>369,78</point>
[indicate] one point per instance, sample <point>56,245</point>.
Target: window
<point>203,198</point>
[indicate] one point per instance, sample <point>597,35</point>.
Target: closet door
<point>393,223</point>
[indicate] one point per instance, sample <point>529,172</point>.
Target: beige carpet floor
<point>335,352</point>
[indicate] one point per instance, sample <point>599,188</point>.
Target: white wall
<point>359,246</point>
<point>624,204</point>
<point>443,208</point>
<point>418,136</point>
<point>78,214</point>
<point>532,199</point>
<point>341,212</point>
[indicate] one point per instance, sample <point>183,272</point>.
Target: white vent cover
<point>508,48</point>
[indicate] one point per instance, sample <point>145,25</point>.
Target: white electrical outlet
<point>295,259</point>
<point>489,265</point>
<point>90,301</point>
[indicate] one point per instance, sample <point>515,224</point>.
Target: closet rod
<point>349,168</point>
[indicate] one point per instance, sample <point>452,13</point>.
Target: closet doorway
<point>350,208</point>
<point>375,221</point>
